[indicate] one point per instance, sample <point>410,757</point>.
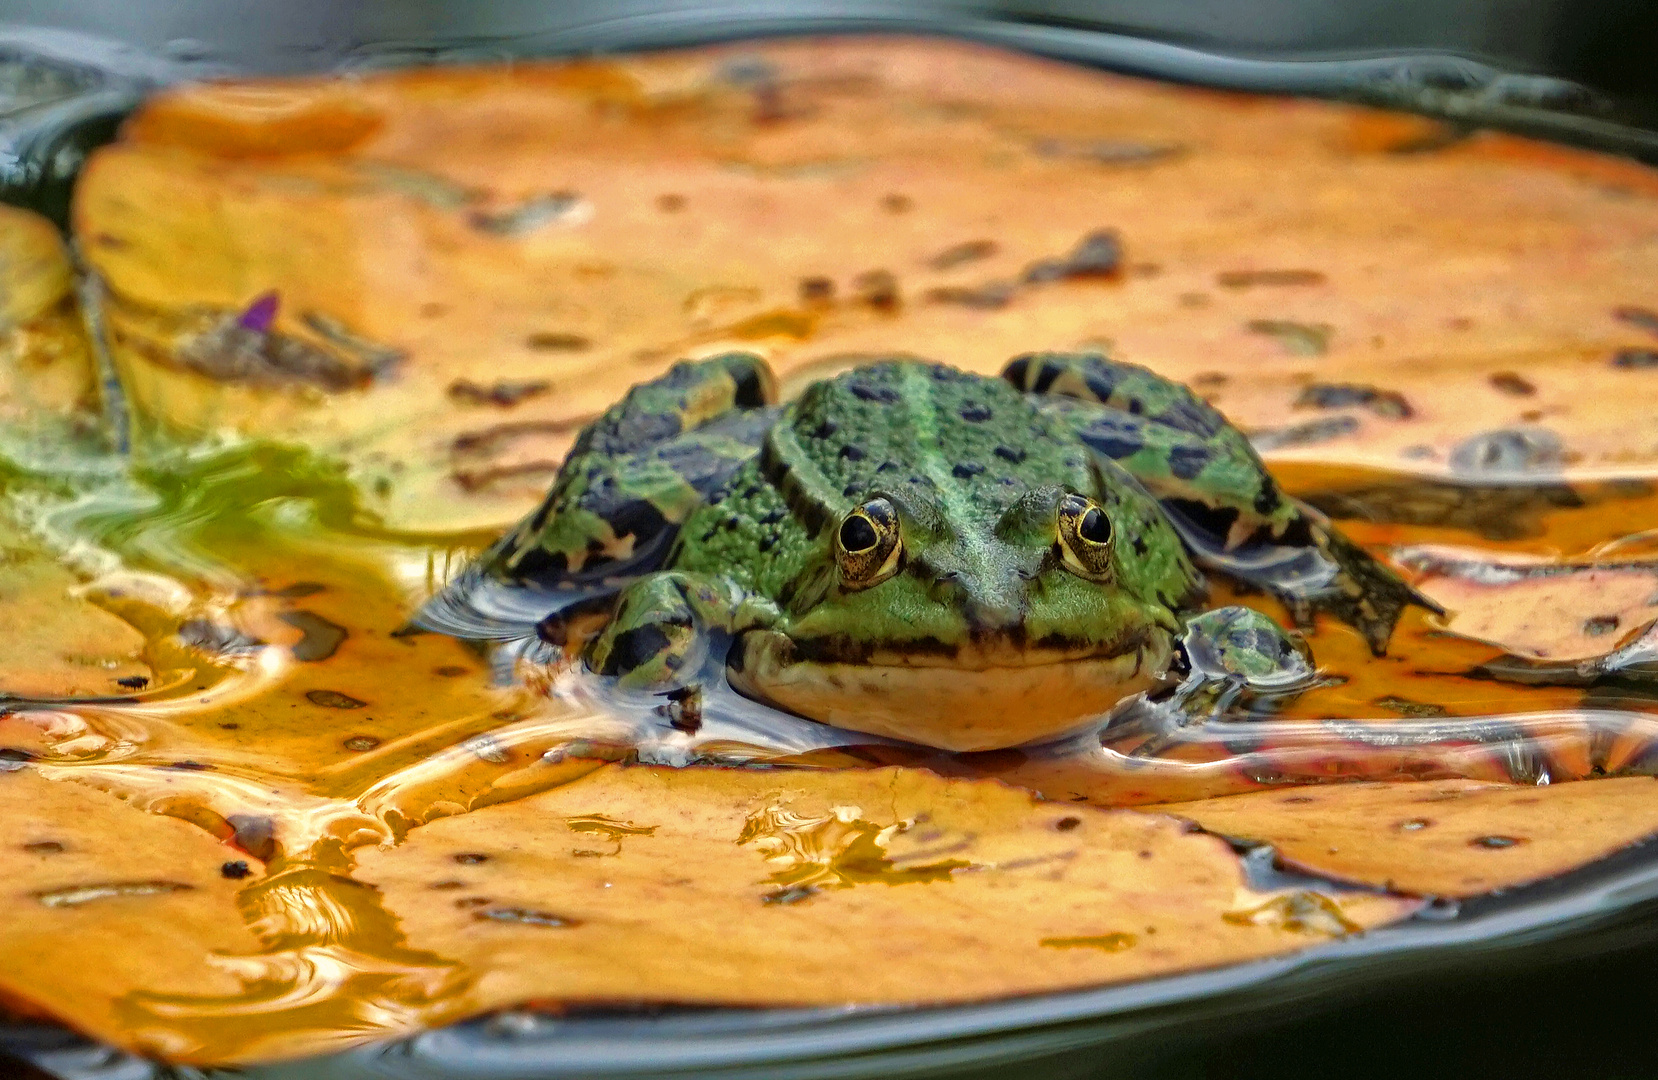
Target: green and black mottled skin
<point>909,540</point>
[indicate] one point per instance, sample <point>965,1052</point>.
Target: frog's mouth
<point>962,700</point>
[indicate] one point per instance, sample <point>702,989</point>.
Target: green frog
<point>921,553</point>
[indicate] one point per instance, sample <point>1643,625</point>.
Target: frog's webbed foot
<point>659,637</point>
<point>1351,585</point>
<point>1237,659</point>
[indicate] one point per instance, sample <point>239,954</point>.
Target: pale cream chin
<point>955,709</point>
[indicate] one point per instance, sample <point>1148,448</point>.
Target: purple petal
<point>261,313</point>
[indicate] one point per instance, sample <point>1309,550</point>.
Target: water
<point>285,712</point>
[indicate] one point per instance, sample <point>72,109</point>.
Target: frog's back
<point>925,433</point>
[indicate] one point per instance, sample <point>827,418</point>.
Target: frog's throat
<point>958,707</point>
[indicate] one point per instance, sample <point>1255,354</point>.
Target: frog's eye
<point>1084,537</point>
<point>867,547</point>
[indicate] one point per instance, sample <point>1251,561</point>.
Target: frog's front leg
<point>658,638</point>
<point>1234,653</point>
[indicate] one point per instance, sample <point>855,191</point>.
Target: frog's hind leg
<point>1216,490</point>
<point>630,481</point>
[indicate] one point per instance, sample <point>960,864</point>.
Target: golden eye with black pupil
<point>1084,537</point>
<point>867,547</point>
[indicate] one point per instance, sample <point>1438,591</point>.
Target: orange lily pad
<point>1444,838</point>
<point>103,901</point>
<point>458,267</point>
<point>763,887</point>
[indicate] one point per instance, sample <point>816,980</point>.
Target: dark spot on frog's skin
<point>1635,359</point>
<point>774,515</point>
<point>635,648</point>
<point>450,671</point>
<point>975,414</point>
<point>1496,842</point>
<point>850,490</point>
<point>1140,546</point>
<point>1066,824</point>
<point>333,699</point>
<point>885,395</point>
<point>189,766</point>
<point>1598,625</point>
<point>766,543</point>
<point>965,470</point>
<point>1010,455</point>
<point>888,466</point>
<point>44,847</point>
<point>824,429</point>
<point>1266,499</point>
<point>235,870</point>
<point>133,682</point>
<point>470,858</point>
<point>852,453</point>
<point>1116,439</point>
<point>1511,384</point>
<point>1298,799</point>
<point>1101,383</point>
<point>1185,462</point>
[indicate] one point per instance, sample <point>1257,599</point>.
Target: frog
<point>921,553</point>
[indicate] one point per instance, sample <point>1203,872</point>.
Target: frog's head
<point>978,624</point>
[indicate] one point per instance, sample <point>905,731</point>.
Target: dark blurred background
<point>1605,44</point>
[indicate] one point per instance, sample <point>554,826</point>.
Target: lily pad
<point>1444,838</point>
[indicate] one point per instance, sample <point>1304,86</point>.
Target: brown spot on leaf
<point>1511,384</point>
<point>333,699</point>
<point>965,252</point>
<point>505,394</point>
<point>1244,279</point>
<point>554,341</point>
<point>322,637</point>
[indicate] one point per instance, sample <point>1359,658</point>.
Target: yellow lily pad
<point>1444,838</point>
<point>102,901</point>
<point>889,886</point>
